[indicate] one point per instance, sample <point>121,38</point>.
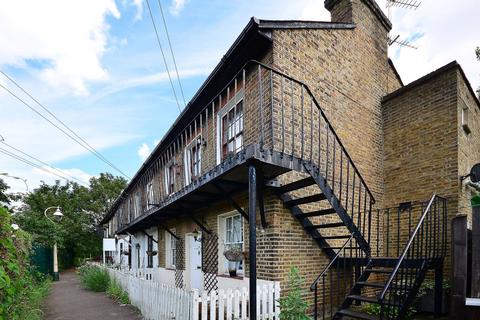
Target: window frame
<point>237,99</point>
<point>170,249</point>
<point>169,178</point>
<point>188,156</point>
<point>149,195</point>
<point>222,246</point>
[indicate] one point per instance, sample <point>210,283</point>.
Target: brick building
<point>310,123</point>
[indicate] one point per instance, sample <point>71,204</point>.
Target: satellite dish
<point>475,173</point>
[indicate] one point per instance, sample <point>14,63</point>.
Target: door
<point>195,255</point>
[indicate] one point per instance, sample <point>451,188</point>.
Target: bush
<point>21,291</point>
<point>293,306</point>
<point>116,292</point>
<point>94,278</point>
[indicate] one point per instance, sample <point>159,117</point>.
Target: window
<point>171,249</point>
<point>193,160</point>
<point>137,206</point>
<point>464,117</point>
<point>232,130</point>
<point>150,196</point>
<point>170,178</point>
<point>150,249</point>
<point>231,232</point>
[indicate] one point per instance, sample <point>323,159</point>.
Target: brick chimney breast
<point>350,11</point>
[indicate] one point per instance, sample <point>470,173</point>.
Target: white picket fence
<point>233,304</point>
<point>157,301</point>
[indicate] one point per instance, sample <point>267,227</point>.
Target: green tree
<point>82,208</point>
<point>4,198</point>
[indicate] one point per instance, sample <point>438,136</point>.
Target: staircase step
<point>347,236</point>
<point>317,213</point>
<point>357,315</point>
<point>379,270</point>
<point>299,184</point>
<point>309,199</point>
<point>364,298</point>
<point>338,248</point>
<point>326,226</point>
<point>379,285</point>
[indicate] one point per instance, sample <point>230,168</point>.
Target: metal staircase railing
<point>425,247</point>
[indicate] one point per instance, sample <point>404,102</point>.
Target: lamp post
<point>58,215</point>
<point>15,177</point>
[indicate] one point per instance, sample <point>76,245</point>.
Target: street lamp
<point>57,215</point>
<point>15,177</point>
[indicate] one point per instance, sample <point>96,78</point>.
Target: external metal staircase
<point>378,259</point>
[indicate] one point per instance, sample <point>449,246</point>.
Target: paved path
<point>68,301</point>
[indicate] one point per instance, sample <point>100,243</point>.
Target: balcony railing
<point>281,116</point>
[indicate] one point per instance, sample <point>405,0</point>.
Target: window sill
<point>239,277</point>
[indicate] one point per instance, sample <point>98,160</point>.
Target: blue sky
<point>96,64</point>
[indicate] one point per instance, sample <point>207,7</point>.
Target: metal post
<point>459,267</point>
<point>476,251</point>
<point>56,276</point>
<point>252,236</point>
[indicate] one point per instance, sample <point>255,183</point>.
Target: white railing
<point>157,301</point>
<point>233,304</point>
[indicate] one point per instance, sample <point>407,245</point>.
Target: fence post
<point>459,267</point>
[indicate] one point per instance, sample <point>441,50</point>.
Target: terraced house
<point>304,148</point>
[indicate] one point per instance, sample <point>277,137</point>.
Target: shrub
<point>94,278</point>
<point>116,292</point>
<point>293,306</point>
<point>21,291</point>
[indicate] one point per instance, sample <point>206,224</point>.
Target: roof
<point>252,43</point>
<point>446,68</point>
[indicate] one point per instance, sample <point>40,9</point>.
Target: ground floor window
<point>170,249</point>
<point>230,237</point>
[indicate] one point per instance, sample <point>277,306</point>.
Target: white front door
<point>195,267</point>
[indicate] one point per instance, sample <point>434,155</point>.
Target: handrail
<point>407,247</point>
<point>312,286</point>
<point>323,114</point>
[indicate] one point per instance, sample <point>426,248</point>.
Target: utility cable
<point>163,54</point>
<point>78,140</point>
<point>171,51</point>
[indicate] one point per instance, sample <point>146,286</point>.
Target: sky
<point>96,65</point>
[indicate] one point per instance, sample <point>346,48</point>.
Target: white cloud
<point>139,6</point>
<point>64,40</point>
<point>50,175</point>
<point>144,151</point>
<point>177,6</point>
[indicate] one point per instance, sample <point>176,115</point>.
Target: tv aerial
<point>406,4</point>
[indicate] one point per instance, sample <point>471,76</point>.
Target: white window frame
<point>169,180</point>
<point>222,236</point>
<point>188,158</point>
<point>170,252</point>
<point>150,196</point>
<point>137,204</point>
<point>232,103</point>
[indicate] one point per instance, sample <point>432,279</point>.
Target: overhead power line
<point>40,161</point>
<point>163,54</point>
<point>171,50</point>
<point>30,163</point>
<point>71,134</point>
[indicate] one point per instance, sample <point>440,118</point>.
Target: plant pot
<point>232,268</point>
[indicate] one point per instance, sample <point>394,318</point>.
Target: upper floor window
<point>170,178</point>
<point>138,205</point>
<point>149,195</point>
<point>193,160</point>
<point>231,129</point>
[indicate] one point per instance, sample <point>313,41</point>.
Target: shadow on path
<point>68,301</point>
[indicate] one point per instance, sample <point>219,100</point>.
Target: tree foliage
<point>292,305</point>
<point>4,198</point>
<point>82,208</point>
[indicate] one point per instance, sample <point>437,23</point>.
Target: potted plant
<point>234,256</point>
<point>126,252</point>
<point>151,253</point>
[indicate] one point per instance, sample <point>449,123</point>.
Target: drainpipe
<point>252,236</point>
